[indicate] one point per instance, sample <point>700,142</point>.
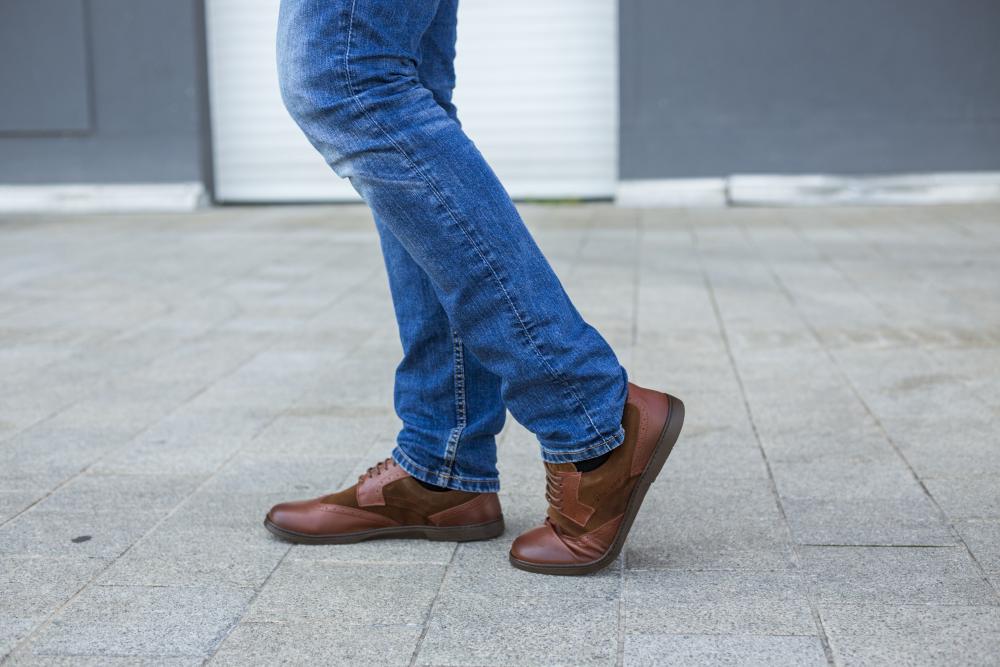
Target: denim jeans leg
<point>349,77</point>
<point>449,404</point>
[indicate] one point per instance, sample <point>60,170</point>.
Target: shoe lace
<point>378,468</point>
<point>554,488</point>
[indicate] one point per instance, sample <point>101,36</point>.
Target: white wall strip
<point>944,188</point>
<point>912,189</point>
<point>101,198</point>
<point>669,192</point>
<point>813,190</point>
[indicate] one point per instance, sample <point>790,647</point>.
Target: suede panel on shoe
<point>605,489</point>
<point>590,513</point>
<point>405,501</point>
<point>409,510</point>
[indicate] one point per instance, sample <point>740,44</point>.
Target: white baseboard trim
<point>737,190</point>
<point>670,192</point>
<point>814,190</point>
<point>102,198</point>
<point>903,189</point>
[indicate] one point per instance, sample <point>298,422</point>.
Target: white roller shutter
<point>537,92</point>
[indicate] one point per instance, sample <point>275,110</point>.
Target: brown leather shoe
<point>386,502</point>
<point>590,513</point>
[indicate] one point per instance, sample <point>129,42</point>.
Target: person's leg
<point>436,56</point>
<point>349,77</point>
<point>449,404</point>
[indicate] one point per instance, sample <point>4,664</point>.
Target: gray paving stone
<point>521,468</point>
<point>983,540</point>
<point>857,440</point>
<point>912,634</point>
<point>483,568</point>
<point>350,595</point>
<point>954,448</point>
<point>706,384</point>
<point>894,575</point>
<point>123,493</point>
<point>274,475</point>
<point>470,629</point>
<point>318,437</point>
<point>34,586</point>
<point>904,387</point>
<point>76,534</point>
<point>193,441</point>
<point>398,552</point>
<point>19,492</point>
<point>912,521</point>
<point>211,510</point>
<point>266,384</point>
<point>708,455</point>
<point>13,503</point>
<point>143,621</point>
<point>13,631</point>
<point>252,344</point>
<point>301,643</point>
<point>57,450</point>
<point>847,478</point>
<point>175,555</point>
<point>23,660</point>
<point>126,407</point>
<point>723,650</point>
<point>186,358</point>
<point>722,524</point>
<point>39,484</point>
<point>717,602</point>
<point>970,497</point>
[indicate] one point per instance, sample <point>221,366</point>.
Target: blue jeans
<point>484,321</point>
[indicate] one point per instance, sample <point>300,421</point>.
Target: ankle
<point>431,487</point>
<point>589,465</point>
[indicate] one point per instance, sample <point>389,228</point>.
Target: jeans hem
<point>470,484</point>
<point>588,452</point>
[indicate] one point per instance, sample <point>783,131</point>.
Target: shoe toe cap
<point>290,515</point>
<point>541,545</point>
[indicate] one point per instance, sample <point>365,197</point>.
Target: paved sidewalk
<point>834,498</point>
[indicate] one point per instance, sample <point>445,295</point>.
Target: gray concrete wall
<point>103,91</point>
<point>717,87</point>
<point>114,90</point>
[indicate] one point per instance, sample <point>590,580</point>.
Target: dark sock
<point>592,464</point>
<point>429,486</point>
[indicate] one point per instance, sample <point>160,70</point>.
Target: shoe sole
<point>482,531</point>
<point>664,445</point>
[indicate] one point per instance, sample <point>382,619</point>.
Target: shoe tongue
<point>561,467</point>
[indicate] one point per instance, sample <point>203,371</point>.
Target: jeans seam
<point>617,439</point>
<point>600,443</point>
<point>451,449</point>
<point>532,344</point>
<point>460,478</point>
